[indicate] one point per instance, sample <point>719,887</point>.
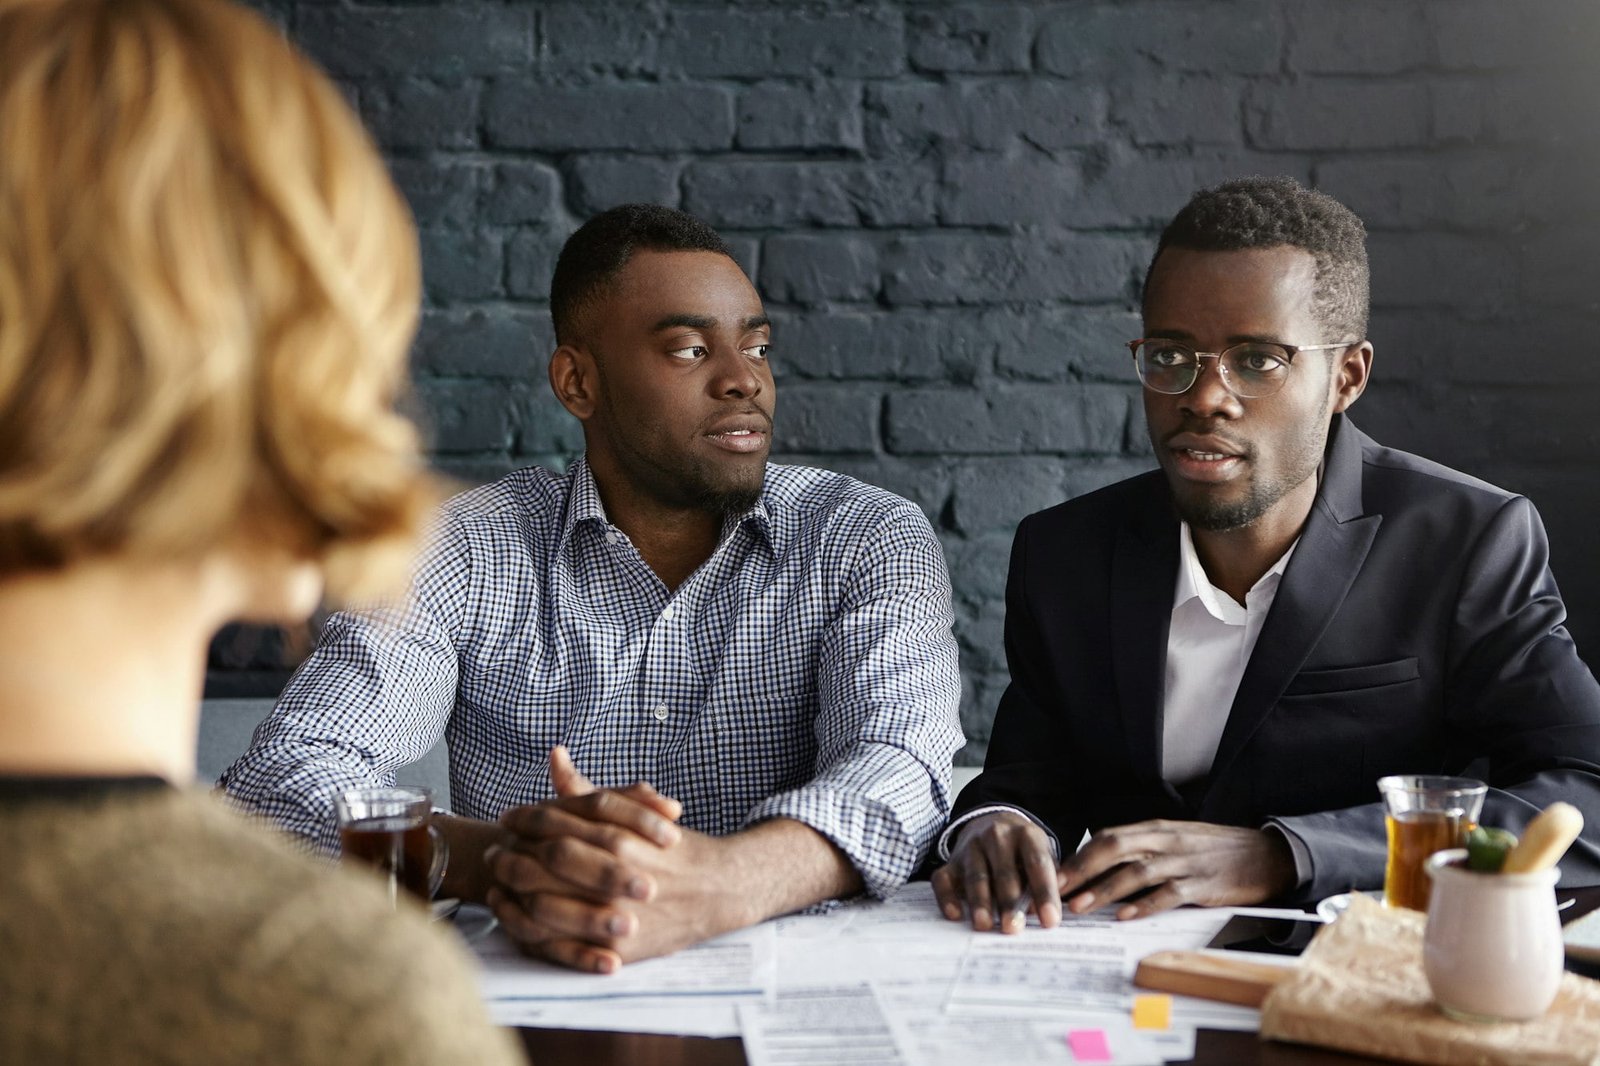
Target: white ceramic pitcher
<point>1492,951</point>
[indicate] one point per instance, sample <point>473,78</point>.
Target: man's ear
<point>1350,373</point>
<point>575,380</point>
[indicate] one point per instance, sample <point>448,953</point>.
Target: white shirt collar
<point>1194,584</point>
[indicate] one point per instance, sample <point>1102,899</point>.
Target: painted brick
<point>422,114</point>
<point>982,638</point>
<point>460,265</point>
<point>446,41</point>
<point>599,39</point>
<point>1359,37</point>
<point>989,115</point>
<point>993,495</point>
<point>602,181</point>
<point>1076,343</point>
<point>531,260</point>
<point>805,43</point>
<point>1084,419</point>
<point>959,197</point>
<point>901,347</point>
<point>1484,35</point>
<point>811,269</point>
<point>467,416</point>
<point>641,118</point>
<point>826,419</point>
<point>1026,191</point>
<point>987,38</point>
<point>977,269</point>
<point>978,564</point>
<point>1441,270</point>
<point>499,342</point>
<point>1091,474</point>
<point>1128,40</point>
<point>1471,190</point>
<point>814,115</point>
<point>1180,109</point>
<point>519,194</point>
<point>773,195</point>
<point>441,196</point>
<point>1147,188</point>
<point>543,426</point>
<point>1332,114</point>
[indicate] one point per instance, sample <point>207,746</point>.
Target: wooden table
<point>571,1047</point>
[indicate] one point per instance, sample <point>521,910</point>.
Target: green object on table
<point>1487,849</point>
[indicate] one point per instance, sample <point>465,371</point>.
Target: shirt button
<point>660,713</point>
<point>668,611</point>
<point>611,536</point>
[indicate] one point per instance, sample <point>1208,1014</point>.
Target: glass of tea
<point>390,830</point>
<point>1424,814</point>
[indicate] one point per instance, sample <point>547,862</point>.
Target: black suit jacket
<point>1417,629</point>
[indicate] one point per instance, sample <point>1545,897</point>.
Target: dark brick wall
<point>948,207</point>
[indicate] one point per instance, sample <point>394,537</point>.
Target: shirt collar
<point>584,505</point>
<point>1194,584</point>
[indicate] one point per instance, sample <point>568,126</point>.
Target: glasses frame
<point>1222,367</point>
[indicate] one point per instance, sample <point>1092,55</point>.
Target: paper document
<point>831,1026</point>
<point>739,965</point>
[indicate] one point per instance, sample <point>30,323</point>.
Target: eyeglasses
<point>1249,371</point>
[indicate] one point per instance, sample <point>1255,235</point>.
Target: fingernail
<point>638,888</point>
<point>1124,913</point>
<point>492,854</point>
<point>952,912</point>
<point>617,925</point>
<point>605,964</point>
<point>1083,902</point>
<point>1049,915</point>
<point>980,918</point>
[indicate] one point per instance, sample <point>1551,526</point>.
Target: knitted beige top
<point>157,926</point>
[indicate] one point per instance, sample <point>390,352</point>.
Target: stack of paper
<point>890,982</point>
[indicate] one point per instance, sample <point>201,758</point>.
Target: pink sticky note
<point>1089,1045</point>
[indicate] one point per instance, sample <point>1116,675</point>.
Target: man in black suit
<point>1213,663</point>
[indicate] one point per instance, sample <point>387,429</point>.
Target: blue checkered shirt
<point>807,670</point>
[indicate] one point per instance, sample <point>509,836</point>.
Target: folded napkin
<point>1360,987</point>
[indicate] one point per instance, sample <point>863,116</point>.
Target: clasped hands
<point>598,877</point>
<point>1002,867</point>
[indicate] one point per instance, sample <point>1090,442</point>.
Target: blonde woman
<point>207,287</point>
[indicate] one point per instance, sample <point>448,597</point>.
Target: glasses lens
<point>1256,370</point>
<point>1165,366</point>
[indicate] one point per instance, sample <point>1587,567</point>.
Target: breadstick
<point>1545,839</point>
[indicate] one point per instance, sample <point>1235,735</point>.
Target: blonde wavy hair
<point>208,286</point>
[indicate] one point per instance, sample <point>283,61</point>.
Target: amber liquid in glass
<point>398,848</point>
<point>1413,836</point>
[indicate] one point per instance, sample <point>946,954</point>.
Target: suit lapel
<point>1144,569</point>
<point>1332,548</point>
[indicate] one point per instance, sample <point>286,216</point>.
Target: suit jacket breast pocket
<point>1353,678</point>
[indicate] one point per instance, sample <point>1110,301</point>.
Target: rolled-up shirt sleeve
<point>372,697</point>
<point>889,694</point>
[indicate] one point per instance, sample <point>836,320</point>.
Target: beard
<point>1220,516</point>
<point>1205,511</point>
<point>682,480</point>
<point>724,500</point>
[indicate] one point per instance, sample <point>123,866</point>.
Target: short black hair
<point>602,246</point>
<point>1260,212</point>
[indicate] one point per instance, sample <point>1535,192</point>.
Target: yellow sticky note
<point>1152,1012</point>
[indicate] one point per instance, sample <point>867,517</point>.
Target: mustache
<point>1209,429</point>
<point>721,417</point>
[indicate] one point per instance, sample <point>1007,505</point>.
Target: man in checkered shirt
<point>769,646</point>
